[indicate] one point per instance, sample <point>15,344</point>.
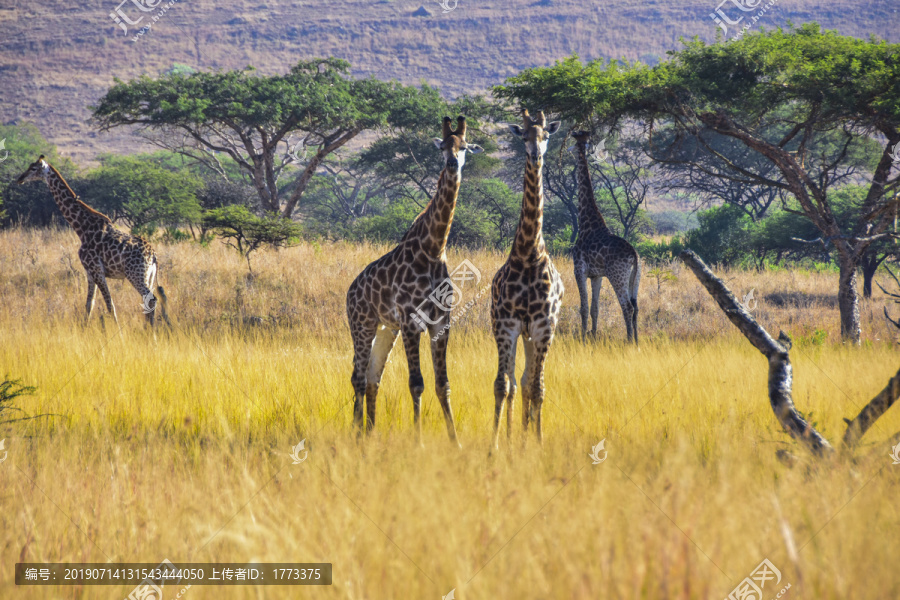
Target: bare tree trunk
<point>873,410</point>
<point>780,370</point>
<point>848,299</point>
<point>870,263</point>
<point>330,145</point>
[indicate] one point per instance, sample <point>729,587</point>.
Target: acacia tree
<point>257,122</point>
<point>246,232</point>
<point>777,93</point>
<point>404,159</point>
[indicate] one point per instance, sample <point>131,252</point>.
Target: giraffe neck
<point>79,215</point>
<point>432,226</point>
<point>589,216</point>
<point>528,244</point>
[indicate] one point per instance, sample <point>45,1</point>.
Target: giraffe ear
<point>517,131</point>
<point>474,148</point>
<point>438,142</point>
<point>552,127</point>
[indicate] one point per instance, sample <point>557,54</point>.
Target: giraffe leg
<point>527,389</point>
<point>440,338</point>
<point>381,350</point>
<point>416,383</point>
<point>624,297</point>
<point>506,336</point>
<point>92,289</point>
<point>634,314</point>
<point>540,349</point>
<point>596,284</point>
<point>363,336</point>
<point>100,280</point>
<point>581,280</point>
<point>511,396</point>
<point>635,282</point>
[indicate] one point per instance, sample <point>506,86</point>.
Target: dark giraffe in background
<point>106,252</point>
<point>598,253</point>
<point>385,299</point>
<point>526,292</point>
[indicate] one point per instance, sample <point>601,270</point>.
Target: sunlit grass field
<point>176,444</point>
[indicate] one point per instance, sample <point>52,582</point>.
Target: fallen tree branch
<point>872,411</point>
<point>780,370</point>
<point>844,238</point>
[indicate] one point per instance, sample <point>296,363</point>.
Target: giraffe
<point>385,299</point>
<point>526,292</point>
<point>598,253</point>
<point>105,252</point>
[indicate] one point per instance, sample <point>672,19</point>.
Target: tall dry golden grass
<point>176,445</point>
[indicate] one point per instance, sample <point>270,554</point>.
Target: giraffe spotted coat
<point>393,296</point>
<point>526,293</point>
<point>105,252</point>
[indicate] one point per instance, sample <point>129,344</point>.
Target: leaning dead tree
<point>894,297</point>
<point>781,371</point>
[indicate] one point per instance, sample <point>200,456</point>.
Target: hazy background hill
<point>57,58</point>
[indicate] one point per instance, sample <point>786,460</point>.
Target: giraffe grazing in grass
<point>387,297</point>
<point>526,292</point>
<point>598,253</point>
<point>106,252</point>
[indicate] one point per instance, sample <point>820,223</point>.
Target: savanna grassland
<point>175,445</point>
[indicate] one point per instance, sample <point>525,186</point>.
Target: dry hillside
<point>57,58</point>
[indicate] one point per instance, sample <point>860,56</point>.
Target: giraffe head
<point>582,138</point>
<point>37,171</point>
<point>454,146</point>
<point>535,134</point>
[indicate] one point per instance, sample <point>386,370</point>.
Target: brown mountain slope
<point>56,58</point>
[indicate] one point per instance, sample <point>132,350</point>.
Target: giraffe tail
<point>162,299</point>
<point>163,304</point>
<point>635,282</point>
<point>633,293</point>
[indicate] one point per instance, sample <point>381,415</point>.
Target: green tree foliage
<point>143,194</point>
<point>802,104</point>
<point>246,232</point>
<point>262,123</point>
<point>28,204</point>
